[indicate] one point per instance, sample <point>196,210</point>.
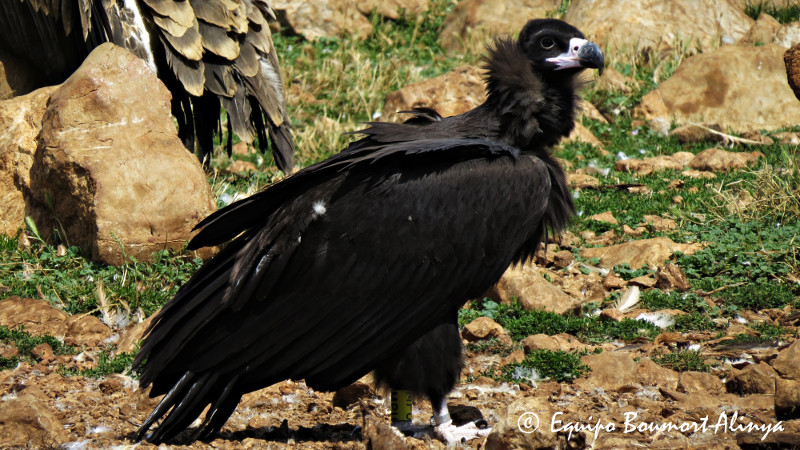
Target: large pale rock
<point>323,18</point>
<point>20,125</point>
<point>644,252</point>
<point>473,22</point>
<point>526,284</point>
<point>26,421</point>
<point>738,88</point>
<point>110,172</point>
<point>639,25</point>
<point>452,93</point>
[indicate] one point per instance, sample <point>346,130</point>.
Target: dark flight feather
<point>360,262</point>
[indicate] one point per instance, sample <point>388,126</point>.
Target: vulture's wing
<point>221,51</point>
<point>53,36</point>
<point>341,265</point>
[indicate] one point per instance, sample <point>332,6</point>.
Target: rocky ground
<point>626,399</point>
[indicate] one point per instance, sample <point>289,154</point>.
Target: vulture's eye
<point>547,43</point>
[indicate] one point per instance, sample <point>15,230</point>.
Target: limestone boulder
<point>110,173</point>
<point>323,18</point>
<point>636,26</point>
<point>738,88</point>
<point>20,125</point>
<point>473,22</point>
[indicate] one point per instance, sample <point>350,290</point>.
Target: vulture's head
<point>552,45</point>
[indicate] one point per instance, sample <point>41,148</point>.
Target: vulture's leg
<point>431,367</point>
<point>447,431</point>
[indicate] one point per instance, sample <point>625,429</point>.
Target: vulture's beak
<point>581,54</point>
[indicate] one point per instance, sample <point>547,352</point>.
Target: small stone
<point>644,252</point>
<point>43,352</point>
<point>241,148</point>
<point>352,394</point>
<point>582,181</point>
<point>787,364</point>
<point>563,258</point>
<point>527,285</point>
<point>691,381</point>
<point>515,357</point>
<point>649,373</point>
<point>540,342</point>
<point>645,281</point>
<point>484,328</point>
<point>608,370</point>
<point>240,166</point>
<point>85,330</point>
<point>670,277</point>
<point>614,281</point>
<point>691,134</point>
<point>718,160</point>
<point>612,314</point>
<point>660,223</point>
<point>753,379</point>
<point>606,217</point>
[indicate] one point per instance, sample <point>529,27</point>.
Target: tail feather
<point>186,401</point>
<point>282,145</point>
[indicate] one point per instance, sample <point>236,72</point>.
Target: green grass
<point>683,361</point>
<point>547,364</point>
<point>106,365</point>
<point>786,14</point>
<point>25,342</point>
<point>521,323</point>
<point>65,278</point>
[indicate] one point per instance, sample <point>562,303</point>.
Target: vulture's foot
<point>452,434</point>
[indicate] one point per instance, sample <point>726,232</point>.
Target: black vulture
<point>209,53</point>
<point>360,262</point>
